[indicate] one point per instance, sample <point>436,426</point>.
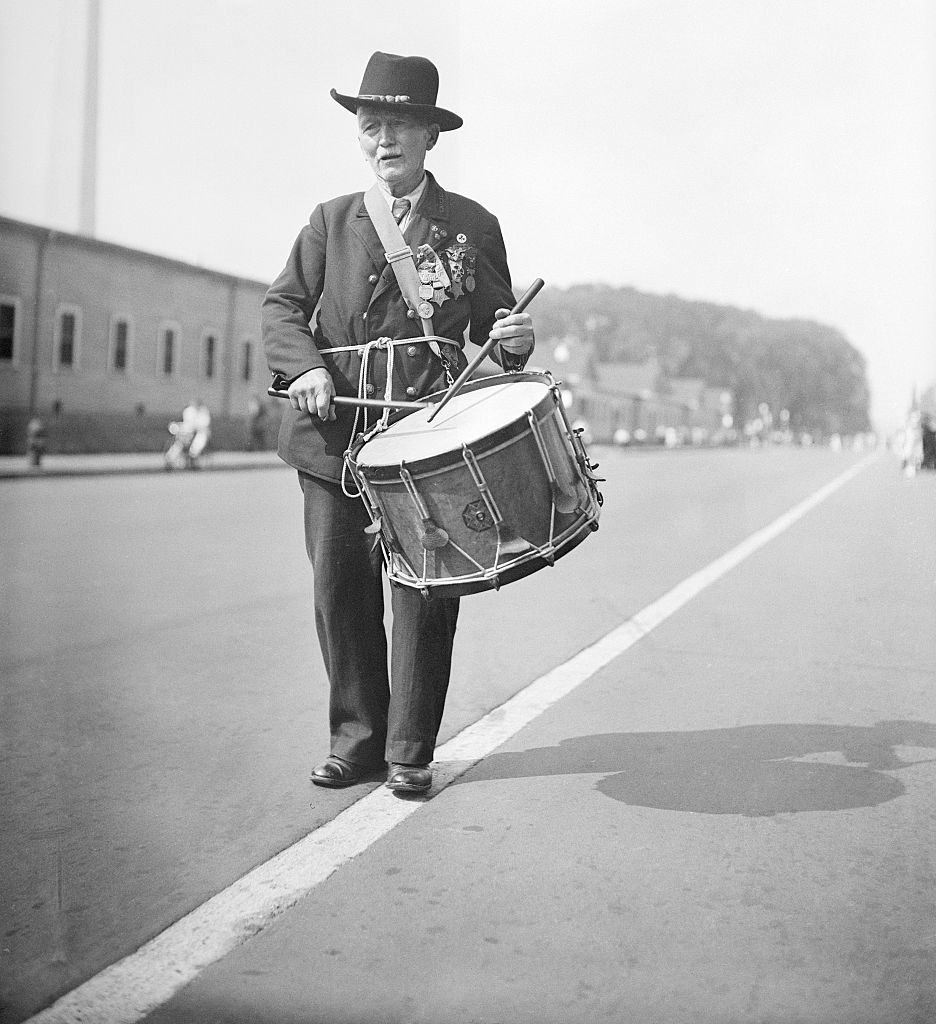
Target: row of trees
<point>808,368</point>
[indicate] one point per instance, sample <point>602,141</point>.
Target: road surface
<point>730,820</point>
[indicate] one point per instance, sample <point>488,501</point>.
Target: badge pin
<point>424,309</point>
<point>425,291</point>
<point>470,283</point>
<point>461,238</point>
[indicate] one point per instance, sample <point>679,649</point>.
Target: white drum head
<point>468,417</point>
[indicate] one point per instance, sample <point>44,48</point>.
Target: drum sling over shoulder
<point>400,257</point>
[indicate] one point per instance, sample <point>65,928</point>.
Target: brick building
<point>107,344</point>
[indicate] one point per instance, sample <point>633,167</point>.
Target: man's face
<point>395,146</point>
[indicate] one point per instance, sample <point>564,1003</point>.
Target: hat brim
<point>445,119</point>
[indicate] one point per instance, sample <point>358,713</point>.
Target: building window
<point>209,355</point>
<point>8,327</point>
<point>168,349</point>
<point>67,340</point>
<point>247,362</point>
<point>120,346</point>
<point>67,337</point>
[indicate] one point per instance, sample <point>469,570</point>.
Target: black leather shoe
<point>336,772</point>
<point>409,778</point>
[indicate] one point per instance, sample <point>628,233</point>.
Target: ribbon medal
<point>462,258</point>
<point>433,280</point>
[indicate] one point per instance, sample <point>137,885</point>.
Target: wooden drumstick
<point>364,403</point>
<point>486,349</point>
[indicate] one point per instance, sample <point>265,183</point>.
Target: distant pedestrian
<point>198,418</point>
<point>911,445</point>
<point>929,443</point>
<point>256,425</point>
<point>36,440</point>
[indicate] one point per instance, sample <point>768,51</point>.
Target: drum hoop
<point>555,549</point>
<point>502,438</point>
<point>475,385</point>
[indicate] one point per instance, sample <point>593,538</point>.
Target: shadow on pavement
<point>749,770</point>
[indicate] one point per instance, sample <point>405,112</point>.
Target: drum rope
<point>379,342</point>
<point>360,415</point>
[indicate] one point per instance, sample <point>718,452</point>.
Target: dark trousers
<point>373,717</point>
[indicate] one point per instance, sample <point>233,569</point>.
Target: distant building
<point>570,359</point>
<point>632,403</point>
<point>107,344</point>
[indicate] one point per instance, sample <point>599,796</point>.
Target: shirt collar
<point>413,196</point>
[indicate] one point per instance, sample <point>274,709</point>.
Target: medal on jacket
<point>461,260</point>
<point>433,280</point>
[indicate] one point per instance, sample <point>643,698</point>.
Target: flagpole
<point>87,215</point>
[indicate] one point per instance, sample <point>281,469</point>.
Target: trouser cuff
<point>410,752</point>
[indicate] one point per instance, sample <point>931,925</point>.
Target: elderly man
<point>338,278</point>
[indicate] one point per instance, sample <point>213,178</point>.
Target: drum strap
<point>400,257</point>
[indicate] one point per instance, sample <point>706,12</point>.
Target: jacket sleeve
<point>290,304</point>
<point>493,292</point>
<point>492,283</point>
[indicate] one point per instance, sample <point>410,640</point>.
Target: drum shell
<point>482,552</point>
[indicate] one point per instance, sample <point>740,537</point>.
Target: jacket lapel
<point>361,225</point>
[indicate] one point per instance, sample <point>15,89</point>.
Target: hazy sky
<point>778,155</point>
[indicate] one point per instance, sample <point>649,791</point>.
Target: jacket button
<point>373,279</point>
<point>411,313</point>
<point>369,389</point>
<point>411,350</point>
<point>411,392</point>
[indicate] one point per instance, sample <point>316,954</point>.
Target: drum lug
<point>509,542</point>
<point>433,536</point>
<point>549,559</point>
<point>561,499</point>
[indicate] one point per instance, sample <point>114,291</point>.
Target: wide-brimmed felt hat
<point>409,84</point>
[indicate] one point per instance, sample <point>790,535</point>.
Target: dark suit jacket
<point>337,274</point>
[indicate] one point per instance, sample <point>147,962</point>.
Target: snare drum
<point>497,486</point>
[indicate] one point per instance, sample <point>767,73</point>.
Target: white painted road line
<point>134,986</point>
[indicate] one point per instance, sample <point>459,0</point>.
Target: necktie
<point>401,208</point>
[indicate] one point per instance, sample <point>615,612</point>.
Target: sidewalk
<point>18,466</point>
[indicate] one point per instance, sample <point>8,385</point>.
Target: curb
<point>26,472</point>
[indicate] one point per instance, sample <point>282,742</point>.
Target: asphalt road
<point>734,821</point>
